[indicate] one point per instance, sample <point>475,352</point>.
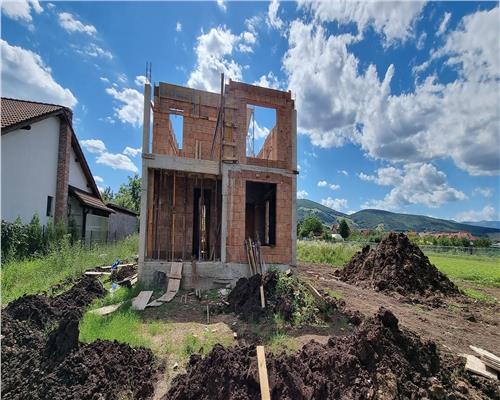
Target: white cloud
<point>444,24</point>
<point>388,176</point>
<point>93,50</point>
<point>269,81</point>
<point>71,24</point>
<point>272,20</point>
<point>51,6</point>
<point>248,37</point>
<point>122,78</point>
<point>334,186</point>
<point>93,145</point>
<point>130,151</point>
<point>25,75</point>
<point>418,183</point>
<point>98,179</point>
<point>260,131</point>
<point>343,172</point>
<point>393,20</point>
<point>221,5</point>
<point>140,80</point>
<point>178,27</point>
<point>302,194</point>
<point>117,161</point>
<point>131,105</point>
<point>407,127</point>
<point>322,183</point>
<point>485,192</point>
<point>213,51</point>
<point>104,79</point>
<point>244,48</point>
<point>488,213</point>
<point>335,204</point>
<point>253,23</point>
<point>21,9</point>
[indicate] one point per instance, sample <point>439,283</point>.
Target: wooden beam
<point>263,379</point>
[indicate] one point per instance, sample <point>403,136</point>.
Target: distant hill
<point>369,219</point>
<point>326,214</point>
<point>485,224</point>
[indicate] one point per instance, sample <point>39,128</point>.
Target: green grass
<point>336,254</point>
<point>335,294</point>
<point>280,342</point>
<point>474,294</point>
<point>481,270</point>
<point>196,344</point>
<point>37,275</point>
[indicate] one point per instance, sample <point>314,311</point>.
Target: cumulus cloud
<point>408,127</point>
<point>140,80</point>
<point>93,145</point>
<point>131,105</point>
<point>444,24</point>
<point>115,161</point>
<point>132,152</point>
<point>213,51</point>
<point>488,213</point>
<point>418,183</point>
<point>302,194</point>
<point>25,75</point>
<point>335,204</point>
<point>333,186</point>
<point>483,191</point>
<point>21,9</point>
<point>104,79</point>
<point>93,50</point>
<point>270,80</point>
<point>393,20</point>
<point>343,172</point>
<point>322,183</point>
<point>71,24</point>
<point>273,20</point>
<point>222,5</point>
<point>178,27</point>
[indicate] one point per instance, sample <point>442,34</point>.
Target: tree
<point>107,194</point>
<point>344,229</point>
<point>129,194</point>
<point>311,226</point>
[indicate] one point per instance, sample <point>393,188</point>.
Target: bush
<point>310,227</point>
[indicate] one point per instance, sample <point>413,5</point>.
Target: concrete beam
<point>183,164</point>
<point>146,121</point>
<point>256,168</point>
<point>224,216</point>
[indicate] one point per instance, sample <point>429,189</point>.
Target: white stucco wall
<point>76,175</point>
<point>29,169</point>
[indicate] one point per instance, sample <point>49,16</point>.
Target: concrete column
<point>143,221</point>
<point>224,216</point>
<point>146,122</point>
<point>294,188</point>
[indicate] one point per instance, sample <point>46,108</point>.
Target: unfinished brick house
<point>203,197</point>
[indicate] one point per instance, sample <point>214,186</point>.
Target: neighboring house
<point>122,223</point>
<point>44,170</point>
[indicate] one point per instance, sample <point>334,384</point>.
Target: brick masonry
<point>62,179</point>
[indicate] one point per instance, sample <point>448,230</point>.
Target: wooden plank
<point>314,291</point>
<point>142,299</point>
<point>176,270</point>
<point>476,366</point>
<point>107,309</point>
<point>262,299</point>
<point>263,379</point>
<point>96,273</point>
<point>488,358</point>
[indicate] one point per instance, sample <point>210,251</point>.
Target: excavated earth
<point>377,361</point>
<point>121,273</point>
<point>397,266</point>
<point>42,358</point>
<point>245,300</point>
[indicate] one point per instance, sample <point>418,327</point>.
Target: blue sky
<point>398,103</point>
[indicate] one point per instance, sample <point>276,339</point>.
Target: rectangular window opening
<point>260,124</point>
<point>50,200</point>
<point>260,212</point>
<point>177,128</point>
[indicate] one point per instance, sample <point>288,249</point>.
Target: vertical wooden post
<point>263,379</point>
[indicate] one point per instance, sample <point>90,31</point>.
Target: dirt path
<point>454,327</point>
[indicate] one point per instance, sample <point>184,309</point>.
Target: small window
<point>50,200</point>
<point>177,122</point>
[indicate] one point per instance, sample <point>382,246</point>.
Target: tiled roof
<point>89,199</point>
<point>16,111</point>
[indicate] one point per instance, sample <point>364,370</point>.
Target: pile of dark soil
<point>290,299</point>
<point>378,361</point>
<point>398,266</point>
<point>121,273</point>
<point>39,362</point>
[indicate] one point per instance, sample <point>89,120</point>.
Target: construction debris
<point>142,299</point>
<point>478,367</point>
<point>107,309</point>
<point>397,266</point>
<point>378,360</point>
<point>123,272</point>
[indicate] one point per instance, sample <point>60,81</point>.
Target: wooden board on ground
<point>476,366</point>
<point>142,299</point>
<point>107,309</point>
<point>263,379</point>
<point>96,273</point>
<point>314,291</point>
<point>174,282</point>
<point>176,270</point>
<point>490,359</point>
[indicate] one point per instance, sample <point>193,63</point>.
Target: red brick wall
<point>62,179</point>
<point>281,253</point>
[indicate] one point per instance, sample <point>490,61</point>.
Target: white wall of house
<point>29,170</point>
<point>76,176</point>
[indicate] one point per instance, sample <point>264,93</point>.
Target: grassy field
<point>477,269</point>
<point>33,276</point>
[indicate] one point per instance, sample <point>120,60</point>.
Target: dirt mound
<point>398,266</point>
<point>120,274</point>
<point>40,363</point>
<point>377,361</point>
